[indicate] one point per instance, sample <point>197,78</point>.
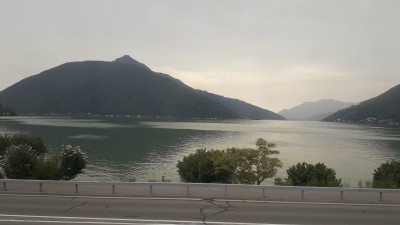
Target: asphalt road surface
<point>46,209</point>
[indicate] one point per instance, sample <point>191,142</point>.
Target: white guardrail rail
<point>204,191</point>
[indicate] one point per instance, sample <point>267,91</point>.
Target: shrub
<point>20,162</point>
<point>198,167</point>
<point>72,162</point>
<point>304,174</point>
<point>35,142</point>
<point>387,175</point>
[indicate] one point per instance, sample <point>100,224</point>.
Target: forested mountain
<point>121,87</point>
<point>314,111</point>
<point>6,111</point>
<point>384,109</point>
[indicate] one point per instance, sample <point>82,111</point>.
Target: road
<point>47,209</point>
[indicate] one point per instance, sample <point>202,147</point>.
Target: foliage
<point>199,167</point>
<point>72,162</point>
<point>20,162</point>
<point>48,168</point>
<point>387,175</point>
<point>364,184</point>
<point>247,165</point>
<point>25,158</point>
<point>232,165</point>
<point>35,142</point>
<point>304,174</point>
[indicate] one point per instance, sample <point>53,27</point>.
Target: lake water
<point>122,149</point>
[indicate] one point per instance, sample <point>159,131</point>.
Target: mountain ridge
<point>314,111</point>
<point>123,86</point>
<point>384,109</point>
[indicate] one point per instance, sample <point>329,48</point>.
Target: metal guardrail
<point>231,191</point>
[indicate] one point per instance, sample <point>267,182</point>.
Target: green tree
<point>304,174</point>
<point>36,143</point>
<point>232,165</point>
<point>199,167</point>
<point>20,162</point>
<point>250,166</point>
<point>387,175</point>
<point>72,162</point>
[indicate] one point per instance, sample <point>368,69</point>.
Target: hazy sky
<point>274,54</point>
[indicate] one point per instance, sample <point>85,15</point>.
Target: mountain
<point>384,108</point>
<point>6,111</point>
<point>121,87</point>
<point>314,111</point>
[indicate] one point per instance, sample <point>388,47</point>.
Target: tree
<point>250,166</point>
<point>35,142</point>
<point>199,167</point>
<point>72,162</point>
<point>387,175</point>
<point>304,174</point>
<point>232,165</point>
<point>20,162</point>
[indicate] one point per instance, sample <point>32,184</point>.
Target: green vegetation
<point>304,174</point>
<point>6,111</point>
<point>387,175</point>
<point>36,143</point>
<point>232,165</point>
<point>25,157</point>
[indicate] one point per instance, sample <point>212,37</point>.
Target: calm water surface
<point>124,149</point>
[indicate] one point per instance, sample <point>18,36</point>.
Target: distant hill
<point>314,111</point>
<point>384,108</point>
<point>122,87</point>
<point>6,111</point>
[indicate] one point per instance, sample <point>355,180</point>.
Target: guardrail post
<point>113,188</point>
<point>263,192</point>
<point>4,186</point>
<point>302,194</point>
<point>151,189</point>
<point>40,187</point>
<point>380,196</point>
<point>226,191</point>
<point>187,190</point>
<point>341,195</point>
<point>76,188</point>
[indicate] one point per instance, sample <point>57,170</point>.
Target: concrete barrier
<point>205,191</point>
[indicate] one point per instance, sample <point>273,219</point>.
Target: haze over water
<point>123,149</point>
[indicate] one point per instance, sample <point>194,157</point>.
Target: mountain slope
<point>314,110</point>
<point>383,107</point>
<point>122,87</point>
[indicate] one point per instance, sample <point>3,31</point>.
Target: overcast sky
<point>274,54</point>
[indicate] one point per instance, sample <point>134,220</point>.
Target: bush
<point>20,162</point>
<point>72,162</point>
<point>48,168</point>
<point>198,167</point>
<point>23,162</point>
<point>317,175</point>
<point>387,175</point>
<point>35,142</point>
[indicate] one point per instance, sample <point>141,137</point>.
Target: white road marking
<point>116,221</point>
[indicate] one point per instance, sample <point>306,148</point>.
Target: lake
<point>124,149</point>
